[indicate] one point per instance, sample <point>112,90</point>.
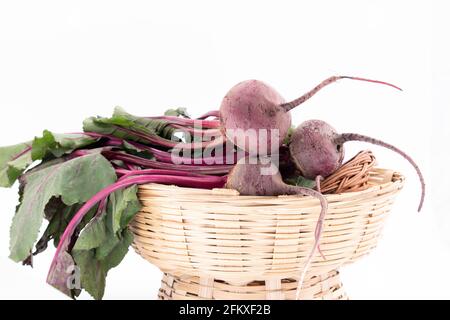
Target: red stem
<point>214,113</point>
<point>147,163</point>
<point>164,156</point>
<point>197,132</point>
<point>189,122</point>
<point>157,140</point>
<point>78,153</point>
<point>121,171</point>
<point>167,157</point>
<point>24,151</point>
<point>129,173</point>
<point>174,144</point>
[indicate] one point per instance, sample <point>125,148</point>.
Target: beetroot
<point>249,107</point>
<point>260,177</point>
<point>318,150</point>
<point>255,117</point>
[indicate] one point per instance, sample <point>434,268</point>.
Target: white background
<point>62,61</point>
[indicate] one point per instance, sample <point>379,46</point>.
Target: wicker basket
<point>216,244</point>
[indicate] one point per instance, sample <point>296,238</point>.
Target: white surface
<point>63,61</point>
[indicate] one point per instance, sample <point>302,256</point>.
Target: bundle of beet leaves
<point>85,185</point>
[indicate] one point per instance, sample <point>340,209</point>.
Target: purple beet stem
<point>127,173</point>
<point>17,156</point>
<point>214,114</point>
<point>211,124</point>
<point>164,156</point>
<point>157,140</point>
<point>206,169</point>
<point>197,132</point>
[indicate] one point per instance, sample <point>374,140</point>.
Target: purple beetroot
<point>318,150</point>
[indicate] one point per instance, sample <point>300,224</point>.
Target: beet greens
<point>85,186</point>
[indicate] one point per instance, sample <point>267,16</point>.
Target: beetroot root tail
<point>294,103</point>
<point>373,81</point>
<point>317,233</point>
<point>344,137</point>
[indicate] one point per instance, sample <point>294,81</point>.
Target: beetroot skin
<point>254,105</point>
<point>314,151</point>
<point>249,178</point>
<point>318,150</point>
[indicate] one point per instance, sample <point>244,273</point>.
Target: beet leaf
<point>75,181</point>
<point>57,145</point>
<point>13,162</point>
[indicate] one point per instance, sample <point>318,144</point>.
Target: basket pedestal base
<point>319,287</point>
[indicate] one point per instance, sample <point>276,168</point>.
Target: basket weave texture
<point>354,175</point>
<point>318,287</point>
<point>217,236</point>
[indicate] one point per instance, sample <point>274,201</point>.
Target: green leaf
<point>123,205</point>
<point>158,127</point>
<point>99,236</point>
<point>119,251</point>
<point>301,181</point>
<point>136,151</point>
<point>75,181</point>
<point>14,160</point>
<point>93,271</point>
<point>59,216</point>
<point>105,248</point>
<point>43,165</point>
<point>177,112</point>
<point>58,144</point>
<point>287,139</point>
<point>121,119</point>
<point>93,235</point>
